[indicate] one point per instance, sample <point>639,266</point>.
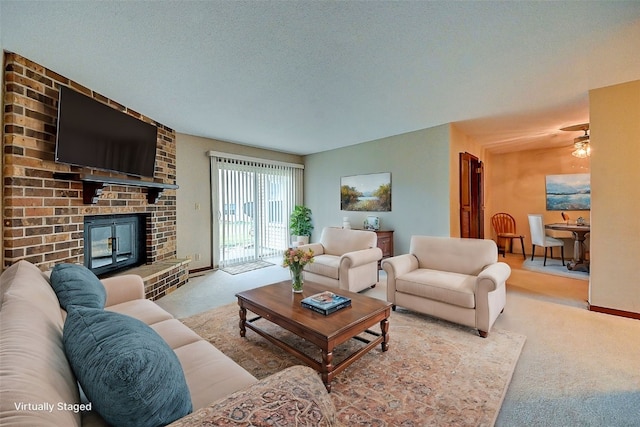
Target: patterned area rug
<point>435,372</point>
<point>247,266</point>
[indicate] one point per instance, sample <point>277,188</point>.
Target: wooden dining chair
<point>505,227</point>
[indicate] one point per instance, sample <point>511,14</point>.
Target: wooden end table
<point>279,305</point>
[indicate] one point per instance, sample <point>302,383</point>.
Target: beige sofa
<point>459,280</point>
<point>38,386</point>
<point>345,259</point>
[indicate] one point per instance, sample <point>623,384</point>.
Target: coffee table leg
<point>384,327</point>
<point>327,367</point>
<point>243,319</point>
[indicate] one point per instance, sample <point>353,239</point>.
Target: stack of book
<point>326,302</point>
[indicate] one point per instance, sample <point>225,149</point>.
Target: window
<point>252,200</point>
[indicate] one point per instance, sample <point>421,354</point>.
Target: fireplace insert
<point>114,242</point>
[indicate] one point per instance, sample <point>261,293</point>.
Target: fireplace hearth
<point>114,242</point>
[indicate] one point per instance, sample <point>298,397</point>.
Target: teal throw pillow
<point>77,285</point>
<point>127,371</point>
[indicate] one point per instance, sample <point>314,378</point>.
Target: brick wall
<point>43,216</point>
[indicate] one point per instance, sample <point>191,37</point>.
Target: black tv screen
<point>92,134</point>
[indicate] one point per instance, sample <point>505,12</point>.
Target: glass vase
<point>297,281</point>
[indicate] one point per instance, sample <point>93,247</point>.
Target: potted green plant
<point>300,223</point>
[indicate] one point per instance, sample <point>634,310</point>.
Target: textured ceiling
<point>304,77</point>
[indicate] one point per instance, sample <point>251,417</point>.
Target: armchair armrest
<point>123,288</point>
<point>317,248</point>
<point>361,257</point>
<point>493,276</point>
<point>397,266</point>
<point>490,295</point>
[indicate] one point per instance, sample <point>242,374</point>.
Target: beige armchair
<point>459,280</point>
<point>344,259</point>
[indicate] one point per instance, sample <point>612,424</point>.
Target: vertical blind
<point>251,203</point>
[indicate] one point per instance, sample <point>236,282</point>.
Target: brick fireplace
<point>43,207</point>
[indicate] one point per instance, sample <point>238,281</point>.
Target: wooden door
<point>471,197</point>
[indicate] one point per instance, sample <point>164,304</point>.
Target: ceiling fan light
<point>582,150</point>
<point>584,139</point>
<point>581,146</point>
<point>581,154</point>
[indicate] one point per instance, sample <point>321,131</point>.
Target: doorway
<point>471,197</point>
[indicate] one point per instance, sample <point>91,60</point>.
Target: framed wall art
<point>569,192</point>
<point>366,193</point>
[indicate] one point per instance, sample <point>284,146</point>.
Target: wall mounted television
<point>92,134</point>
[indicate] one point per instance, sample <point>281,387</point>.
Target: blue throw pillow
<point>77,285</point>
<point>128,372</point>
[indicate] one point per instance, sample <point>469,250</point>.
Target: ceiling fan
<point>581,143</point>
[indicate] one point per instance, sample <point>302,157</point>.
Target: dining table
<point>579,263</point>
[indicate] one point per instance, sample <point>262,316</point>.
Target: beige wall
<point>194,216</point>
<point>516,185</point>
<point>615,176</point>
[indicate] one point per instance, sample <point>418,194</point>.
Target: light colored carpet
<point>435,372</point>
<point>554,266</point>
<point>247,266</point>
<point>578,367</point>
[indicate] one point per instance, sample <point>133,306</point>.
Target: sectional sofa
<point>112,354</point>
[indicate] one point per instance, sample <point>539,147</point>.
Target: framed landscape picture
<point>569,192</point>
<point>368,193</point>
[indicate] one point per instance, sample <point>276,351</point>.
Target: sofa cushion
<point>464,256</point>
<point>339,241</point>
<point>175,333</point>
<point>33,365</point>
<point>210,374</point>
<point>325,265</point>
<point>127,371</point>
<point>451,288</point>
<point>77,285</point>
<point>142,309</point>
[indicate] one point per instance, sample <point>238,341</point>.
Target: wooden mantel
<point>92,185</point>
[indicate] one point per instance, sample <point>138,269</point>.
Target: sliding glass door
<point>252,201</point>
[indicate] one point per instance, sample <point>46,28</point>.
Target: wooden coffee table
<point>278,304</point>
